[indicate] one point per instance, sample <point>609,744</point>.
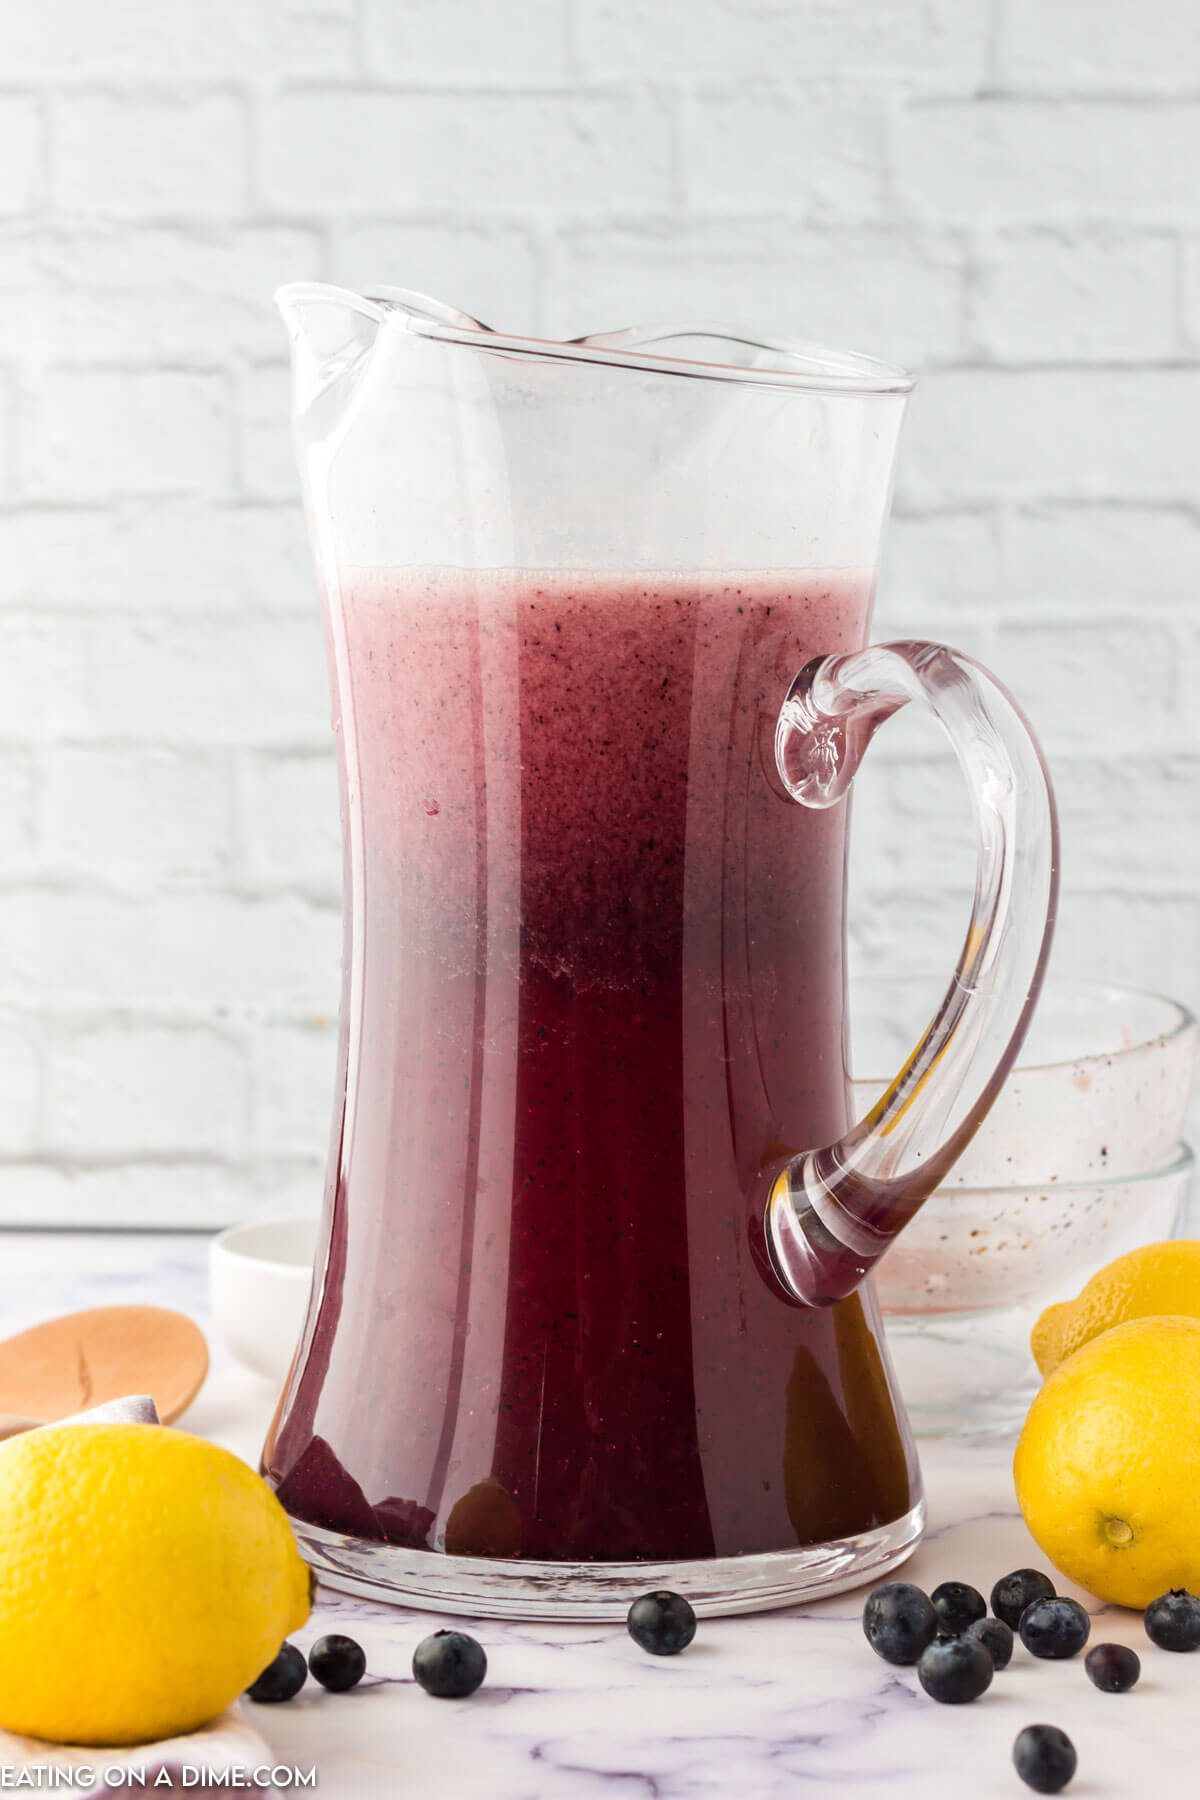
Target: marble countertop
<point>779,1704</point>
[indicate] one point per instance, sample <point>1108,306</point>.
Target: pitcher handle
<point>831,1213</point>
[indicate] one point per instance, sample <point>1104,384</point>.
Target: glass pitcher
<point>591,1310</point>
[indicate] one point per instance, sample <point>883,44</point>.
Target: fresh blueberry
<point>1013,1593</point>
<point>1112,1668</point>
<point>955,1670</point>
<point>1045,1758</point>
<point>281,1679</point>
<point>1173,1621</point>
<point>957,1605</point>
<point>899,1621</point>
<point>450,1665</point>
<point>1054,1628</point>
<point>337,1662</point>
<point>996,1638</point>
<point>662,1623</point>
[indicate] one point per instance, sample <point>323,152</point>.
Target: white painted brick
<point>1143,939</point>
<point>1101,559</point>
<point>190,679</point>
<point>816,151</point>
<point>1128,817</point>
<point>158,558</point>
<point>936,570</point>
<point>940,43</point>
<point>134,813</point>
<point>293,1076</point>
<point>912,823</point>
<point>164,1192</point>
<point>189,956</point>
<point>130,295</point>
<point>1191,292</point>
<point>893,294</point>
<point>20,1091</point>
<point>978,435</point>
<point>120,1090</point>
<point>386,154</point>
<point>893,933</point>
<point>1052,296</point>
<point>1188,724</point>
<point>490,272</point>
<point>98,434</point>
<point>174,40</point>
<point>22,176</point>
<point>999,161</point>
<point>1062,47</point>
<point>16,809</point>
<point>8,437</point>
<point>147,157</point>
<point>168,820</point>
<point>43,678</point>
<point>284,1189</point>
<point>266,461</point>
<point>1100,684</point>
<point>459,40</point>
<point>289,820</point>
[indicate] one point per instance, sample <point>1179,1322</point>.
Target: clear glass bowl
<point>1101,1087</point>
<point>964,1283</point>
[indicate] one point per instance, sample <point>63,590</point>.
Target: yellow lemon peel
<point>146,1578</point>
<point>1156,1281</point>
<point>1107,1469</point>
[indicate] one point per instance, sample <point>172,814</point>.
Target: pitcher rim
<point>837,372</point>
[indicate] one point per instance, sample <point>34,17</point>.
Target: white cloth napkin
<point>226,1743</point>
<point>168,1767</point>
<point>134,1409</point>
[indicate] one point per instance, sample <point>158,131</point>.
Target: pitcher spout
<point>331,331</point>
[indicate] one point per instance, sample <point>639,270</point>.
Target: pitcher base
<point>481,1587</point>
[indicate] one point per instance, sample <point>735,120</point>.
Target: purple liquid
<point>597,986</point>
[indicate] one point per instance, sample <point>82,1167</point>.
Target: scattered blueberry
<point>337,1662</point>
<point>281,1679</point>
<point>1045,1758</point>
<point>1054,1628</point>
<point>996,1638</point>
<point>450,1665</point>
<point>662,1623</point>
<point>957,1605</point>
<point>1173,1621</point>
<point>1013,1593</point>
<point>899,1621</point>
<point>955,1670</point>
<point>1112,1668</point>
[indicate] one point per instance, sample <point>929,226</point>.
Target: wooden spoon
<point>86,1358</point>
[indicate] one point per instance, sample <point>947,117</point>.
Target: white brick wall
<point>1004,193</point>
<point>91,430</point>
<point>153,156</point>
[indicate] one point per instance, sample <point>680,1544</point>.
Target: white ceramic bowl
<point>259,1276</point>
<point>964,1283</point>
<point>1101,1085</point>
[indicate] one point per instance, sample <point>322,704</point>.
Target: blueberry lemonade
<point>594,984</point>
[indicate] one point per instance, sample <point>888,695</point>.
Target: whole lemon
<point>1157,1279</point>
<point>1107,1468</point>
<point>146,1578</point>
